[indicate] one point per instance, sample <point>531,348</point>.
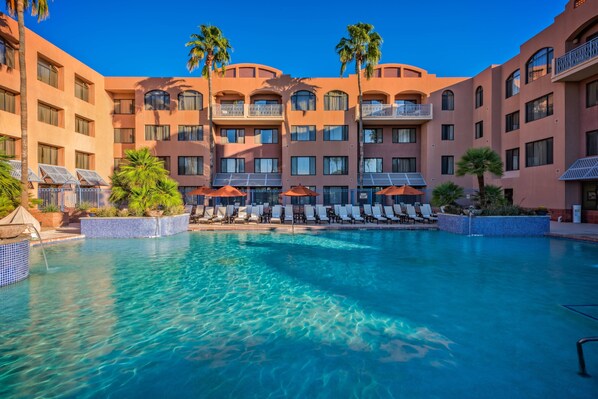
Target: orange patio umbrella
<point>226,191</point>
<point>384,190</point>
<point>202,190</point>
<point>403,190</point>
<point>300,191</point>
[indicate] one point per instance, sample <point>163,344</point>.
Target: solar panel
<point>57,174</point>
<point>582,169</point>
<point>90,178</point>
<point>16,172</point>
<point>248,179</point>
<point>394,179</point>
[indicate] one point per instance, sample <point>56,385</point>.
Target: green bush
<point>446,193</point>
<point>122,213</point>
<point>507,210</point>
<point>453,210</point>
<point>50,208</point>
<point>107,212</point>
<point>174,210</point>
<point>84,206</point>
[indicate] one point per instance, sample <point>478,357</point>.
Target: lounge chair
<point>356,215</point>
<point>276,213</point>
<point>188,209</point>
<point>230,212</point>
<point>342,214</point>
<point>390,215</point>
<point>377,214</point>
<point>308,211</point>
<point>197,213</point>
<point>207,216</point>
<point>412,215</point>
<point>255,215</point>
<point>220,215</point>
<point>322,215</point>
<point>399,212</point>
<point>367,210</point>
<point>427,213</point>
<point>288,213</point>
<point>242,215</point>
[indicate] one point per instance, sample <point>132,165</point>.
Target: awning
<point>90,178</point>
<point>393,179</point>
<point>16,172</point>
<point>582,169</point>
<point>52,174</point>
<point>248,179</point>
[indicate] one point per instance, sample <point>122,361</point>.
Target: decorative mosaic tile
<point>14,262</point>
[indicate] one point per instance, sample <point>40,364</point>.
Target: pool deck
<point>573,231</point>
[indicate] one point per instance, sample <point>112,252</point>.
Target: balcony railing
<point>397,111</point>
<point>247,110</point>
<point>576,56</point>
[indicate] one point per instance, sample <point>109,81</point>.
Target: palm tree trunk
<point>482,190</point>
<point>23,101</point>
<point>212,146</point>
<point>360,125</point>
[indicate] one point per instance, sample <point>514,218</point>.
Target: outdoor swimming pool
<point>410,314</point>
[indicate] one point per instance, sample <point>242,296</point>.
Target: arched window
<point>448,101</point>
<point>539,65</point>
<point>303,100</point>
<point>513,83</point>
<point>157,100</point>
<point>479,97</point>
<point>336,100</point>
<point>190,100</point>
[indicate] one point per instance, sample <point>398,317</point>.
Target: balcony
<point>247,114</point>
<point>393,114</point>
<point>578,64</point>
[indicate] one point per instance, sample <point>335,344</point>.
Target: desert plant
<point>494,197</point>
<point>122,213</point>
<point>107,212</point>
<point>446,193</point>
<point>84,206</point>
<point>174,210</point>
<point>50,208</point>
<point>507,210</point>
<point>477,161</point>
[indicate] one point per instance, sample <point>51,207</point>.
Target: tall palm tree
<point>39,8</point>
<point>363,47</point>
<point>477,161</point>
<point>211,46</point>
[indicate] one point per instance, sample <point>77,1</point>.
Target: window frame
<point>239,165</point>
<point>396,136</point>
<point>479,97</point>
<point>10,104</point>
<point>184,135</point>
<point>80,121</point>
<point>511,89</point>
<point>592,100</point>
<point>118,138</point>
<point>512,159</point>
<point>531,157</point>
<point>548,54</point>
<point>344,135</point>
<point>197,100</point>
<point>447,165</point>
<point>510,126</point>
<point>344,167</point>
<point>379,162</point>
<point>312,165</point>
<point>275,165</point>
<point>592,143</point>
<point>54,114</point>
<point>301,96</point>
<point>447,101</point>
<point>535,104</point>
<point>397,161</point>
<point>120,107</point>
<point>478,130</point>
<point>54,152</point>
<point>7,55</point>
<point>311,132</point>
<point>274,136</point>
<point>239,135</point>
<point>154,134</point>
<point>44,65</point>
<point>182,165</point>
<point>83,93</point>
<point>156,100</point>
<point>377,136</point>
<point>88,160</point>
<point>338,95</point>
<point>447,134</point>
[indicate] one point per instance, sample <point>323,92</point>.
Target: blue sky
<point>146,38</point>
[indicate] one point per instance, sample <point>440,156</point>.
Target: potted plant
<point>541,211</point>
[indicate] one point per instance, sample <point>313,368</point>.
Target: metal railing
<point>398,111</point>
<point>62,197</point>
<point>247,110</point>
<point>580,358</point>
<point>576,56</point>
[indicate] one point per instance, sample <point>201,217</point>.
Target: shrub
<point>107,212</point>
<point>84,206</point>
<point>494,197</point>
<point>507,210</point>
<point>446,193</point>
<point>174,210</point>
<point>453,210</point>
<point>50,208</point>
<point>122,213</point>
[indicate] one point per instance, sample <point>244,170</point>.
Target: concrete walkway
<point>574,231</point>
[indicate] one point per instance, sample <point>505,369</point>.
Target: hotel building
<point>538,110</point>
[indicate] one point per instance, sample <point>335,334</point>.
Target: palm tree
<point>210,45</point>
<point>446,193</point>
<point>39,8</point>
<point>477,161</point>
<point>363,47</point>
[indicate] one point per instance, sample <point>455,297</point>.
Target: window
<point>538,153</point>
<point>336,133</point>
<point>118,162</point>
<point>448,132</point>
<point>303,100</point>
<point>47,73</point>
<point>592,94</point>
<point>232,165</point>
<point>190,133</point>
<point>47,154</point>
<point>190,166</point>
<point>404,165</point>
<point>124,106</point>
<point>403,135</point>
<point>373,136</point>
<point>513,84</point>
<point>592,143</point>
<point>231,136</point>
<point>479,129</point>
<point>165,163</point>
<point>448,101</point>
<point>479,97</point>
<point>303,133</point>
<point>82,126</point>
<point>81,89</point>
<point>265,165</point>
<point>512,157</point>
<point>336,195</point>
<point>124,135</point>
<point>47,114</point>
<point>447,165</point>
<point>336,101</point>
<point>82,160</point>
<point>157,100</point>
<point>539,65</point>
<point>372,165</point>
<point>538,108</point>
<point>7,101</point>
<point>7,54</point>
<point>266,136</point>
<point>336,165</point>
<point>7,146</point>
<point>190,100</point>
<point>157,132</point>
<point>512,121</point>
<point>301,166</point>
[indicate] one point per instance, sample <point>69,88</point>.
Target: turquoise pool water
<point>361,314</point>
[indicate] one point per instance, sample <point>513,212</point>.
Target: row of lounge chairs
<point>318,214</point>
